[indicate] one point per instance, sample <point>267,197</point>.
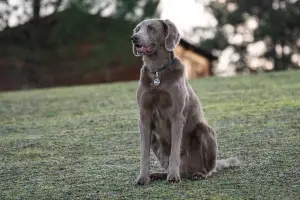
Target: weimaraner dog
<point>171,120</point>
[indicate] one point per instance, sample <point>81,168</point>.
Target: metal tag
<point>156,82</point>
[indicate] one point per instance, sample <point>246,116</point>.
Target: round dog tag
<point>156,81</point>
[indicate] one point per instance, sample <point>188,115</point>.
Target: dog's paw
<point>141,181</point>
<point>198,176</point>
<point>173,178</point>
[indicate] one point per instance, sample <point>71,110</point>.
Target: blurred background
<point>50,43</point>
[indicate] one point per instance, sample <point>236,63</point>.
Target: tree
<point>34,9</point>
<point>264,34</point>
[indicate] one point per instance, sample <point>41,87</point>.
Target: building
<point>198,62</point>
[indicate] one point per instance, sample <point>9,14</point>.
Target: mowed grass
<point>83,142</point>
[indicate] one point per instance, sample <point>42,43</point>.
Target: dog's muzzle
<point>135,39</point>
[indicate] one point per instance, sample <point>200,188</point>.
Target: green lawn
<point>83,142</point>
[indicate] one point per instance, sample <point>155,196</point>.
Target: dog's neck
<point>157,60</point>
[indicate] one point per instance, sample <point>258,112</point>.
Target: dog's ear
<point>172,35</point>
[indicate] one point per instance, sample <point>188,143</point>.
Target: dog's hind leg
<point>203,152</point>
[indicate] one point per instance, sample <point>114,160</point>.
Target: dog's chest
<point>156,99</point>
<point>158,104</point>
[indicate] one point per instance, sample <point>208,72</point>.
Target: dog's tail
<point>227,163</point>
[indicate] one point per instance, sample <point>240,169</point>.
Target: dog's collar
<point>171,58</point>
<point>156,81</point>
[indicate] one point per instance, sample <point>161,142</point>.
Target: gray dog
<point>171,120</point>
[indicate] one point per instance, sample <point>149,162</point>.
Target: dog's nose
<point>135,38</point>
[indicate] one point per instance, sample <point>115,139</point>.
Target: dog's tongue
<point>144,49</point>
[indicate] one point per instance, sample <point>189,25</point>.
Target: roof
<point>197,50</point>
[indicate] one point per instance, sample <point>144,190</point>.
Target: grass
<point>83,142</point>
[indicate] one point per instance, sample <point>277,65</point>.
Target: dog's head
<point>152,34</point>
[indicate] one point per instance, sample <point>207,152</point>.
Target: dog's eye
<point>151,28</point>
<point>137,29</point>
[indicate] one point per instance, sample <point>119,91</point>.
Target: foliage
<point>277,27</point>
<point>79,18</point>
<point>76,22</point>
<point>35,9</point>
<point>83,142</point>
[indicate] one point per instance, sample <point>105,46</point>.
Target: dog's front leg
<point>177,124</point>
<point>145,136</point>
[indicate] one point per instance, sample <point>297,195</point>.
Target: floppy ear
<point>172,35</point>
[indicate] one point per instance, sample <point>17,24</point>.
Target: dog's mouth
<point>144,49</point>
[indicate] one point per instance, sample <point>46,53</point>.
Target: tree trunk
<point>36,5</point>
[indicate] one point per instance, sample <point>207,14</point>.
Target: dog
<point>171,120</point>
